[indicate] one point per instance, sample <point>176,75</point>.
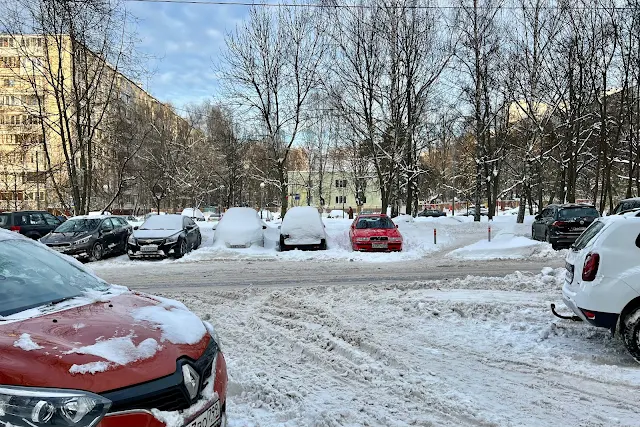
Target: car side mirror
<point>136,227</point>
<point>264,227</point>
<point>396,225</point>
<point>537,217</point>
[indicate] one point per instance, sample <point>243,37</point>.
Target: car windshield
<point>163,222</point>
<point>374,222</point>
<point>581,212</point>
<point>78,225</point>
<point>32,276</point>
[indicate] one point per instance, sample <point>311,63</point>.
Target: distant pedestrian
<point>350,213</point>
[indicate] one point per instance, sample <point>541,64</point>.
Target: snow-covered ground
<point>463,352</point>
<point>452,233</point>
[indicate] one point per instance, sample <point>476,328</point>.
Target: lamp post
<point>261,197</point>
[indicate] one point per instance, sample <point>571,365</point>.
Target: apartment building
<point>34,73</point>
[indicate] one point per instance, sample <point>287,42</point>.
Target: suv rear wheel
<point>631,332</point>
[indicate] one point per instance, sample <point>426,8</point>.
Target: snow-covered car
<point>337,213</point>
<point>602,282</point>
<point>240,228</point>
<point>77,351</point>
<point>163,236</point>
<point>193,213</point>
<point>302,228</point>
<point>375,233</point>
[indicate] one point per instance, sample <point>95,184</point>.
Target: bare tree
<point>272,66</point>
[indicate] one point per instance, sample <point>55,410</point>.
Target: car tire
<point>323,245</point>
<point>533,234</point>
<point>283,247</point>
<point>97,252</point>
<point>631,333</point>
<point>198,243</point>
<point>547,238</point>
<point>182,249</point>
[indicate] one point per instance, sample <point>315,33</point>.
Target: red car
<point>75,351</point>
<point>375,233</point>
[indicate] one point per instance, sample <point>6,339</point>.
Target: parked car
<point>337,213</point>
<point>302,228</point>
<point>375,233</point>
<point>471,211</point>
<point>240,228</point>
<point>65,363</point>
<point>162,236</point>
<point>602,282</point>
<point>90,237</point>
<point>627,205</point>
<point>33,224</point>
<point>431,213</point>
<point>195,214</point>
<point>561,225</point>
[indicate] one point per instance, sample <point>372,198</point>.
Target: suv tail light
<point>590,268</point>
<point>15,228</point>
<point>559,224</point>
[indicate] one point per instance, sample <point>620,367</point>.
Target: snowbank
<point>505,246</point>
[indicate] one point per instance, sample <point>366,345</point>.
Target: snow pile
<point>239,227</point>
<point>26,343</point>
<point>303,225</point>
<point>504,246</point>
<point>177,323</point>
<point>117,350</point>
<point>179,418</point>
<point>403,218</point>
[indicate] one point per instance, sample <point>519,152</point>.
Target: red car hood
<point>59,333</point>
<point>370,232</point>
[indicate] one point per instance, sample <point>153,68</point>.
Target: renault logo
<point>191,380</point>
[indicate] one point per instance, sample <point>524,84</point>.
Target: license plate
<point>149,248</point>
<point>379,246</point>
<point>237,246</point>
<point>569,274</point>
<point>208,418</point>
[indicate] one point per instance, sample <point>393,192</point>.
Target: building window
<point>9,61</point>
<point>9,82</point>
<point>6,42</point>
<point>341,183</point>
<point>341,199</point>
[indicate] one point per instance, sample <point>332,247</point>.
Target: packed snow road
<point>477,351</point>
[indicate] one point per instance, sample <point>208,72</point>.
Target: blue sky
<point>183,43</point>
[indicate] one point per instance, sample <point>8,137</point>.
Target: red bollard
<point>435,240</point>
<point>489,233</point>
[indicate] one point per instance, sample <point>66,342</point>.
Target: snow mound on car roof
<point>177,323</point>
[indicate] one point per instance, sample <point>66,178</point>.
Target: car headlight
<point>395,239</point>
<point>82,241</point>
<point>172,239</point>
<point>362,239</point>
<point>28,407</point>
<point>131,240</point>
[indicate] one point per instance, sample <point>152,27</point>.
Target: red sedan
<point>76,351</point>
<point>375,233</point>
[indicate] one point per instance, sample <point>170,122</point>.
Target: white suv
<point>602,284</point>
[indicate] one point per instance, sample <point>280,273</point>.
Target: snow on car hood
<point>303,225</point>
<point>239,226</point>
<point>82,346</point>
<point>154,234</point>
<point>64,237</point>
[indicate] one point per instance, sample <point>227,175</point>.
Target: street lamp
<point>261,197</point>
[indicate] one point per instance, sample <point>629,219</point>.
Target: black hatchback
<point>561,225</point>
<point>33,224</point>
<point>90,237</point>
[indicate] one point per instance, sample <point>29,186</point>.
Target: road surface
<point>158,277</point>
